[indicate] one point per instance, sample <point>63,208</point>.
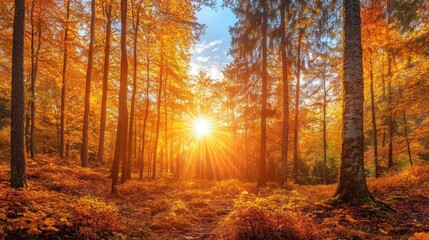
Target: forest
<point>315,127</point>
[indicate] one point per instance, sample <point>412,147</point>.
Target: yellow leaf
<point>49,221</point>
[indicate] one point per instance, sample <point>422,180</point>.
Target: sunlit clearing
<point>202,127</point>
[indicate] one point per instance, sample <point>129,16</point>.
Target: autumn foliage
<point>72,202</point>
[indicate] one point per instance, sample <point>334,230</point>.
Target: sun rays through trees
<point>214,119</point>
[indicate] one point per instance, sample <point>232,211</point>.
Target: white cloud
<point>203,59</point>
<point>215,73</point>
<point>201,47</point>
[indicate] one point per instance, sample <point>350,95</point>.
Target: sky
<point>210,53</point>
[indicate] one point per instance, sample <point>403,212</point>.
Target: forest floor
<point>64,201</point>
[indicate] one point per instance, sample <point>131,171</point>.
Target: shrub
<point>254,223</point>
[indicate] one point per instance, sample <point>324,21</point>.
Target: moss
<point>383,214</point>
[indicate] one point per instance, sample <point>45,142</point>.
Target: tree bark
<point>285,133</point>
<point>389,114</point>
<point>352,183</point>
<point>18,177</point>
<point>155,148</point>
<point>166,125</point>
<point>324,131</point>
<point>34,56</point>
<point>133,98</point>
<point>84,149</point>
<point>121,134</point>
<point>63,82</point>
<point>296,122</point>
<point>374,123</point>
<point>100,152</point>
<point>146,114</point>
<point>404,116</point>
<point>264,93</point>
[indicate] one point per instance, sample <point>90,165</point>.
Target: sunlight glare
<point>202,127</point>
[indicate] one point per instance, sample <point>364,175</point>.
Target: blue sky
<point>209,54</point>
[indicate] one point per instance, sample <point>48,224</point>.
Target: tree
<point>108,14</point>
<point>352,183</point>
<point>158,115</point>
<point>34,63</point>
<point>63,82</point>
<point>264,92</point>
<point>84,149</point>
<point>17,162</point>
<point>136,26</point>
<point>122,129</point>
<point>297,94</point>
<point>285,81</point>
<point>146,114</point>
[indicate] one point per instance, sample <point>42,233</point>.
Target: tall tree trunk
<point>121,133</point>
<point>34,67</point>
<point>264,93</point>
<point>84,148</point>
<point>133,100</point>
<point>390,120</point>
<point>100,153</point>
<point>390,114</point>
<point>383,81</point>
<point>18,177</point>
<point>171,157</point>
<point>352,183</point>
<point>161,68</point>
<point>324,131</point>
<point>296,122</point>
<point>33,80</point>
<point>63,82</point>
<point>149,154</point>
<point>146,114</point>
<point>374,123</point>
<point>166,124</point>
<point>404,118</point>
<point>285,133</point>
<point>246,121</point>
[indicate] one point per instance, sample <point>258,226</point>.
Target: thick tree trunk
<point>374,123</point>
<point>296,122</point>
<point>121,134</point>
<point>84,148</point>
<point>352,183</point>
<point>100,153</point>
<point>285,82</point>
<point>63,82</point>
<point>18,177</point>
<point>264,93</point>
